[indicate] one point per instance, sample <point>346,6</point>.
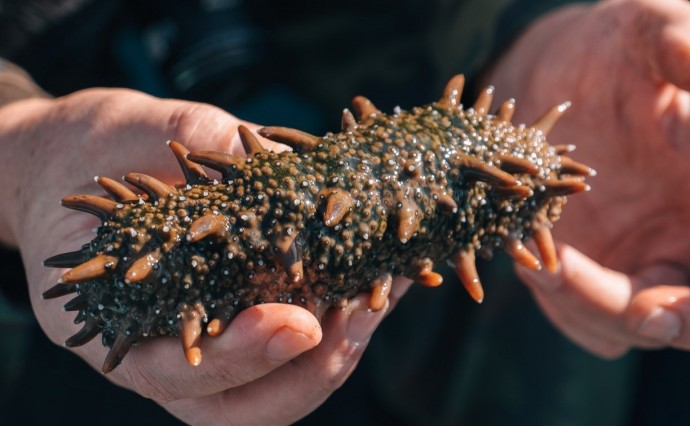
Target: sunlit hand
<point>625,67</point>
<point>274,364</point>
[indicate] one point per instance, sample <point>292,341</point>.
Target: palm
<point>639,219</point>
<point>623,65</point>
<point>64,162</point>
<point>627,123</point>
<point>56,147</point>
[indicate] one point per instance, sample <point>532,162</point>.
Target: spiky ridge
<point>338,215</point>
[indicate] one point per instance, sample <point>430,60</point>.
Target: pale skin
<point>623,64</point>
<point>273,365</point>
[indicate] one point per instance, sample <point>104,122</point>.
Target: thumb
<point>659,313</point>
<point>592,303</point>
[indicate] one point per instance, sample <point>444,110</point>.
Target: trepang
<point>336,216</point>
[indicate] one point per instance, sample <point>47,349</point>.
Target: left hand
<point>624,65</point>
<point>272,365</point>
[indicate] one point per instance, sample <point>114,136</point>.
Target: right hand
<point>624,65</point>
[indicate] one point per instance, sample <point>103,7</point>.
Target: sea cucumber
<point>338,215</point>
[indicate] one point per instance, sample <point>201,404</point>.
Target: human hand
<point>624,65</point>
<point>274,364</point>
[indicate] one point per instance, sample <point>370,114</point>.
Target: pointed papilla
<point>216,326</point>
<point>91,269</point>
<point>66,260</point>
<point>547,249</point>
<point>564,149</point>
<point>409,218</point>
<point>425,274</point>
<point>59,290</point>
<point>546,122</point>
<point>517,192</point>
<point>348,122</point>
<point>338,204</point>
<point>81,316</point>
<point>154,188</point>
<point>506,111</point>
<point>117,190</point>
<point>98,206</point>
<point>429,279</point>
<point>249,141</point>
<point>483,102</point>
<point>142,267</point>
<point>290,256</point>
<point>517,250</point>
<point>447,204</point>
<point>296,139</point>
<point>193,173</point>
<point>122,345</point>
<point>295,270</point>
<point>474,168</point>
<point>466,270</point>
<point>78,303</point>
<point>512,164</point>
<point>572,167</point>
<point>364,107</point>
<point>380,289</point>
<point>190,333</point>
<point>85,335</point>
<point>209,225</point>
<point>220,322</point>
<point>453,92</point>
<point>556,187</point>
<point>220,161</point>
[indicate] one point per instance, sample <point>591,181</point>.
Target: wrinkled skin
<point>624,65</point>
<point>274,364</point>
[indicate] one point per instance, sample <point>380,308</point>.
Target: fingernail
<point>362,323</point>
<point>661,325</point>
<point>543,278</point>
<point>287,344</point>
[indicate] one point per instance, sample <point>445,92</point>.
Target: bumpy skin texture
<point>338,215</point>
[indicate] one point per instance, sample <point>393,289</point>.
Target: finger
<point>581,278</point>
<point>588,331</point>
<point>582,334</point>
<point>203,126</point>
<point>267,144</point>
<point>557,295</point>
<point>586,301</point>
<point>297,388</point>
<point>259,340</point>
<point>660,313</point>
